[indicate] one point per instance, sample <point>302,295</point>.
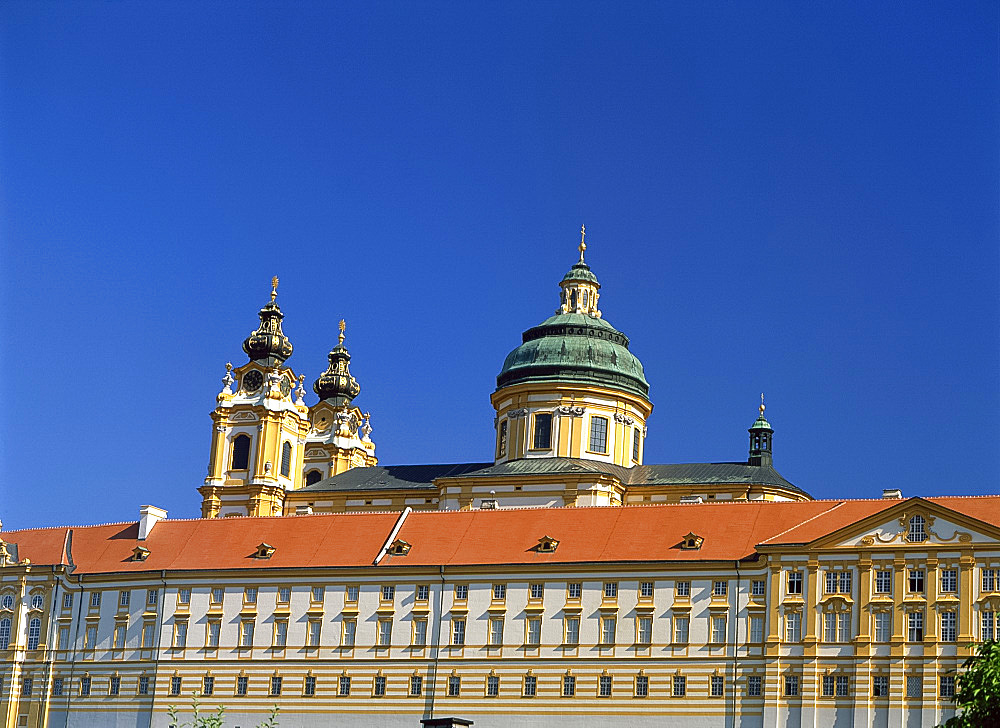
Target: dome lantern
<point>336,385</point>
<point>761,439</point>
<point>268,345</point>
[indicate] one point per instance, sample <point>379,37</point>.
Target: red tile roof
<point>730,531</point>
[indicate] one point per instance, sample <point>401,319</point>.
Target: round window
<point>36,601</point>
<point>7,602</point>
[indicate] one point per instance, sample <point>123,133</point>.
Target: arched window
<point>286,459</point>
<point>4,633</point>
<point>34,633</point>
<point>313,476</point>
<point>241,453</point>
<point>917,531</point>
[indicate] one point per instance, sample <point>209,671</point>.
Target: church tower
<point>259,427</point>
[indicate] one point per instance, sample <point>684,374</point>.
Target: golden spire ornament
<point>583,245</point>
<point>343,326</point>
<point>274,288</point>
<point>761,404</point>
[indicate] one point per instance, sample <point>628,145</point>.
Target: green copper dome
<point>575,347</point>
<point>581,272</point>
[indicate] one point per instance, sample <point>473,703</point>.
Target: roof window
<point>546,545</point>
<point>399,547</point>
<point>692,542</point>
<point>264,551</point>
<point>140,553</point>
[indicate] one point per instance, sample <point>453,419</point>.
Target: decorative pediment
<point>243,417</point>
<point>315,452</point>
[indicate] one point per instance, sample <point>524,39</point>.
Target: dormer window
<point>692,542</point>
<point>264,551</point>
<point>140,553</point>
<point>399,547</point>
<point>918,530</point>
<point>546,545</point>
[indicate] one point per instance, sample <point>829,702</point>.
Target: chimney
<point>305,510</point>
<point>891,493</point>
<point>148,517</point>
<point>691,499</point>
<point>445,722</point>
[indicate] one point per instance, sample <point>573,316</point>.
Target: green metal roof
<point>574,347</point>
<point>581,272</point>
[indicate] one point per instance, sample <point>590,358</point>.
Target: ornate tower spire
<point>336,385</point>
<point>580,287</point>
<point>268,345</point>
<point>761,437</point>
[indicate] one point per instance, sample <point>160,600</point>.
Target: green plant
<point>979,690</point>
<point>212,720</point>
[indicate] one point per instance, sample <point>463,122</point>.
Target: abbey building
<point>562,581</point>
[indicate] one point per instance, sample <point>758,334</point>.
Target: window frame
<point>598,435</point>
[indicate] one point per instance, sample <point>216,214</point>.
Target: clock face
<point>286,386</point>
<point>252,380</point>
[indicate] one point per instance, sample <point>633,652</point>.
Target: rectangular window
<point>644,631</point>
<point>175,685</point>
<point>828,686</point>
<point>496,631</point>
<point>458,632</point>
<point>499,592</point>
<point>124,597</point>
<point>502,440</point>
<point>180,634</point>
<point>423,592</point>
<point>574,590</point>
<point>543,431</point>
<point>791,685</point>
<point>756,629</point>
<point>388,592</point>
<point>217,593</point>
<point>754,686</point>
<point>310,686</point>
<point>90,637</point>
<point>719,588</point>
<point>829,627</point>
<point>147,634</point>
<point>716,688</point>
<point>85,686</point>
<point>831,582</point>
<point>152,597</point>
<point>883,582</point>
<point>845,582</point>
<point>537,591</point>
<point>611,590</point>
<point>947,686</point>
<point>384,632</point>
<point>569,686</point>
<point>492,686</point>
<point>680,686</point>
<point>64,638</point>
<point>352,593</point>
<point>844,627</point>
<point>604,686</point>
<point>646,590</point>
<point>793,627</point>
<point>246,633</point>
<point>530,686</point>
<point>242,684</point>
<point>988,580</point>
<point>183,596</point>
<point>68,600</point>
<point>987,625</point>
<point>250,595</point>
<point>718,630</point>
<point>636,435</point>
<point>344,685</point>
<point>284,595</point>
<point>682,589</point>
<point>95,599</point>
<point>317,593</point>
<point>144,685</point>
<point>208,685</point>
<point>794,582</point>
<point>599,434</point>
<point>880,686</point>
<point>416,685</point>
<point>641,686</point>
<point>572,630</point>
<point>681,627</point>
<point>883,626</point>
<point>838,582</point>
<point>350,632</point>
<point>915,626</point>
<point>275,685</point>
<point>949,630</point>
<point>116,685</point>
<point>27,685</point>
<point>419,632</point>
<point>214,630</point>
<point>757,588</point>
<point>461,592</point>
<point>608,628</point>
<point>119,638</point>
<point>454,686</point>
<point>379,688</point>
<point>916,581</point>
<point>534,631</point>
<point>949,581</point>
<point>313,632</point>
<point>843,686</point>
<point>914,686</point>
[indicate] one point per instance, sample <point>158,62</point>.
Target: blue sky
<point>799,199</point>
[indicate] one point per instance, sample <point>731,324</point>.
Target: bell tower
<point>761,439</point>
<point>259,430</point>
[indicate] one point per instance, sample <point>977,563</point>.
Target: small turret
<point>268,345</point>
<point>579,286</point>
<point>336,385</point>
<point>761,437</point>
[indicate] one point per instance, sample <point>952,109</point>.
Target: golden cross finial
<point>761,404</point>
<point>583,245</point>
<point>343,327</point>
<point>274,288</point>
